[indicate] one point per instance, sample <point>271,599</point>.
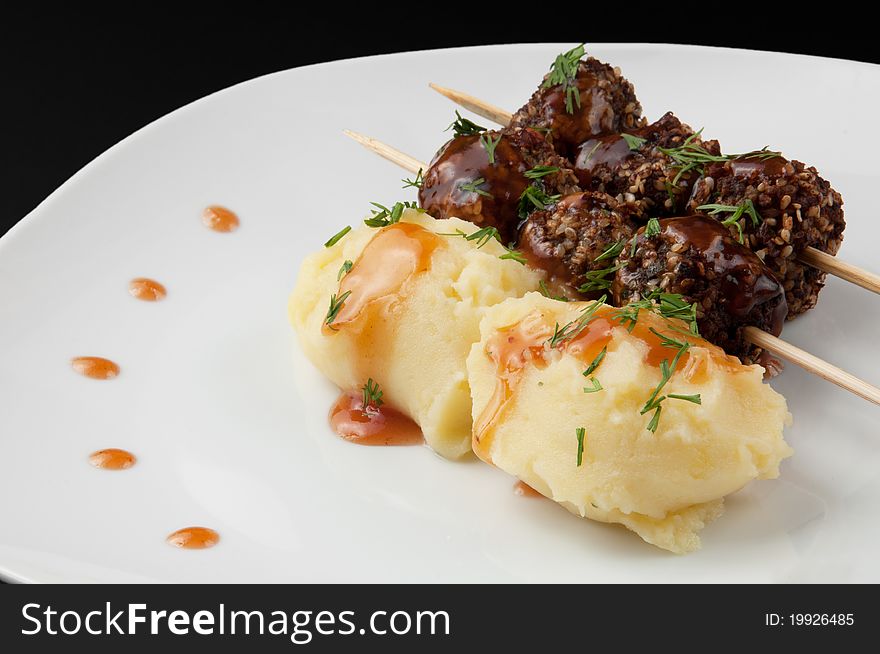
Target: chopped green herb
<point>592,151</point>
<point>634,142</point>
<point>542,287</point>
<point>575,327</point>
<point>532,198</point>
<point>337,236</point>
<point>490,145</point>
<point>335,308</point>
<point>596,386</point>
<point>415,183</point>
<point>481,236</point>
<point>581,433</point>
<point>736,211</point>
<point>514,255</point>
<point>597,280</point>
<point>563,72</point>
<point>595,364</point>
<point>474,187</point>
<point>344,270</point>
<point>383,216</point>
<point>540,171</point>
<point>464,127</point>
<point>689,398</point>
<point>372,395</point>
<point>611,251</point>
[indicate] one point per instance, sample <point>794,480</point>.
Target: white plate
<point>229,420</point>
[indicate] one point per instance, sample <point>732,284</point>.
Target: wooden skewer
<point>811,256</point>
<point>753,335</point>
<point>812,364</point>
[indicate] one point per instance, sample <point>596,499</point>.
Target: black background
<point>75,84</point>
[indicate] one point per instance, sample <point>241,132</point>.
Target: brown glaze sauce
<point>522,489</point>
<point>746,281</point>
<point>220,219</point>
<point>148,290</point>
<point>193,538</point>
<point>372,426</point>
<point>593,116</point>
<point>112,459</point>
<point>516,347</point>
<point>746,166</point>
<point>610,150</point>
<point>95,367</point>
<point>394,255</point>
<point>464,160</point>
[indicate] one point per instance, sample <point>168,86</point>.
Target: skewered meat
<point>601,100</point>
<point>634,165</point>
<point>465,181</point>
<point>569,239</point>
<point>794,209</point>
<point>696,257</point>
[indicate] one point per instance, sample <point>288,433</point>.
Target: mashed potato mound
<point>529,401</point>
<point>410,320</point>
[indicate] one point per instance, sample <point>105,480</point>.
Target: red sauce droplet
<point>220,219</point>
<point>372,426</point>
<point>522,489</point>
<point>395,254</point>
<point>148,290</point>
<point>193,538</point>
<point>112,459</point>
<point>95,367</point>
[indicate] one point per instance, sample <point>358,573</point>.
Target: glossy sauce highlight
<point>371,425</point>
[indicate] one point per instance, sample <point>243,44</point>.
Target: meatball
<point>636,167</point>
<point>794,208</point>
<point>607,103</point>
<point>697,257</point>
<point>569,239</point>
<point>482,177</point>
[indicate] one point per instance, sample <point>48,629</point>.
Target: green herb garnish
<point>383,216</point>
<point>581,433</point>
<point>596,386</point>
<point>542,288</point>
<point>597,280</point>
<point>736,211</point>
<point>540,171</point>
<point>372,395</point>
<point>464,127</point>
<point>490,145</point>
<point>335,308</point>
<point>611,251</point>
<point>344,270</point>
<point>337,236</point>
<point>595,364</point>
<point>532,198</point>
<point>634,142</point>
<point>474,187</point>
<point>576,326</point>
<point>414,183</point>
<point>563,72</point>
<point>514,255</point>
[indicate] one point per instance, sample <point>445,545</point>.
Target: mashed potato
<point>417,298</point>
<point>529,403</point>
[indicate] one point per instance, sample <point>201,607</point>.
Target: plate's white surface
<point>229,420</point>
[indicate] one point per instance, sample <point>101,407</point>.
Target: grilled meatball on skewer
<point>482,177</point>
<point>578,100</point>
<point>696,257</point>
<point>636,166</point>
<point>795,209</point>
<point>579,235</point>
